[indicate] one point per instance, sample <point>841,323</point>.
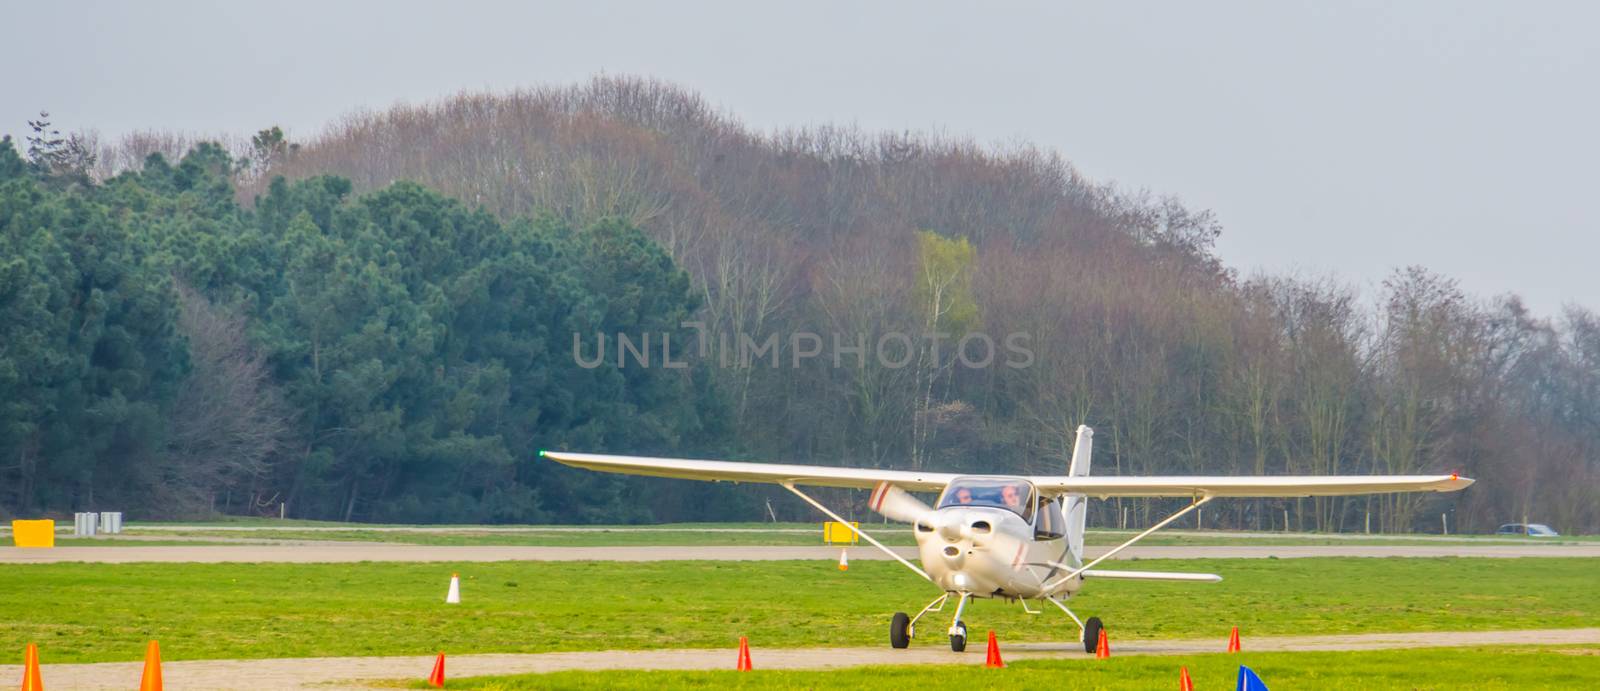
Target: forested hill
<point>406,353</point>
<point>389,355</point>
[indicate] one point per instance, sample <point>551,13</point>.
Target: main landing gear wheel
<point>900,631</point>
<point>958,640</point>
<point>1091,634</point>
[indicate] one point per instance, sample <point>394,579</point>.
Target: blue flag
<point>1248,681</point>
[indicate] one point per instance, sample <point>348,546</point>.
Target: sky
<point>1330,138</point>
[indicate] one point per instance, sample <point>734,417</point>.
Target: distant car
<point>1529,529</point>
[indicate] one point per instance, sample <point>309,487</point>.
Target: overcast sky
<point>1345,138</point>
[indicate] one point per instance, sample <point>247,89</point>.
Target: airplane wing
<point>736,471</point>
<point>1103,486</point>
<point>1252,486</point>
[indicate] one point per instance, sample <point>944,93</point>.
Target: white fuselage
<point>992,552</point>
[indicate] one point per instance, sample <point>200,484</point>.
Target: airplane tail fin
<point>1076,507</point>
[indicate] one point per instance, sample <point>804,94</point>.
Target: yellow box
<point>33,533</point>
<point>835,532</point>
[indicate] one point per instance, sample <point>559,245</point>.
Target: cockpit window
<point>1000,493</point>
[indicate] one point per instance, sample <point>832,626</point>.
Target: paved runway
<point>356,672</point>
<point>317,552</point>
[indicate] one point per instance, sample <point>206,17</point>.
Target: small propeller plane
<point>1017,538</point>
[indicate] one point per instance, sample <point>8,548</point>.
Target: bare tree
<point>228,421</point>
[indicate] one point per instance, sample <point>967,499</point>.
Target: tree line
<point>1134,324</point>
<point>388,355</point>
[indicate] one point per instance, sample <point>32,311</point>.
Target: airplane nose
<point>953,556</point>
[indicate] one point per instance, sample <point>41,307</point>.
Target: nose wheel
<point>958,628</point>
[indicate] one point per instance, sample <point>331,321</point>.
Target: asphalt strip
<point>356,672</point>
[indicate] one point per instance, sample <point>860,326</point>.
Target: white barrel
<point>111,522</point>
<point>84,524</point>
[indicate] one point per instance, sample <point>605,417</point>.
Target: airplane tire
<point>958,641</point>
<point>1091,634</point>
<point>900,631</point>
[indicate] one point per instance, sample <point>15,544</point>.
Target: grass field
<point>236,528</point>
<point>1572,667</point>
<point>544,538</point>
<point>110,541</point>
<point>720,534</point>
<point>104,612</point>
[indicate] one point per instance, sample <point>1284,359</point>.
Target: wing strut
<point>790,486</point>
<point>1194,504</point>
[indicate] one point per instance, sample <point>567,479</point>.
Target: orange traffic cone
<point>744,655</point>
<point>453,596</point>
<point>30,669</point>
<point>1103,648</point>
<point>436,679</point>
<point>844,560</point>
<point>993,660</point>
<point>151,679</point>
<point>1184,682</point>
<point>1233,640</point>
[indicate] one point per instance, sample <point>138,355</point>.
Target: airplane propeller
<point>898,504</point>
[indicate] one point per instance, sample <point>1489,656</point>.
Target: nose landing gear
<point>903,628</point>
<point>958,629</point>
<point>958,637</point>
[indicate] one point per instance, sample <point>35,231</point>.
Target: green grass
<point>543,538</point>
<point>121,542</point>
<point>109,541</point>
<point>252,521</point>
<point>104,612</point>
<point>1571,667</point>
<point>799,534</point>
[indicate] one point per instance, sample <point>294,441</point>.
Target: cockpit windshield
<point>1001,493</point>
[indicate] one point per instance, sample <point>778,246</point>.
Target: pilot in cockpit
<point>1012,496</point>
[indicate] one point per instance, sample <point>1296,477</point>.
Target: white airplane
<point>1011,537</point>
